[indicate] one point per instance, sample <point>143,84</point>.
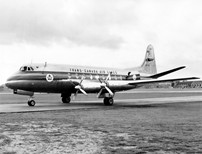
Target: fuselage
<point>53,78</point>
<point>72,79</point>
<point>63,78</point>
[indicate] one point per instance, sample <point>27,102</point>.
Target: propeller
<point>104,85</point>
<point>78,88</point>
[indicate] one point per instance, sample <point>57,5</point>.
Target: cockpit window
<point>26,68</point>
<point>23,68</point>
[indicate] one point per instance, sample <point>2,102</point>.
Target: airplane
<point>72,79</point>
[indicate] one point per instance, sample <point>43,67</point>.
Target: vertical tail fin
<point>149,64</point>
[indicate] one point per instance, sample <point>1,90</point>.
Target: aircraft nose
<point>9,82</point>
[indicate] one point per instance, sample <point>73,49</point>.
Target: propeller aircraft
<point>71,79</point>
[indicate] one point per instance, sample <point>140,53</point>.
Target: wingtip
<point>181,67</point>
<point>196,77</point>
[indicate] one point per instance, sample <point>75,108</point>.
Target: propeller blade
<point>82,78</point>
<point>104,85</point>
<point>108,77</point>
<point>100,80</point>
<point>78,87</point>
<point>110,92</point>
<point>74,96</point>
<point>83,91</point>
<point>98,95</point>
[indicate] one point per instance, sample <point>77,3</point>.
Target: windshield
<point>26,68</point>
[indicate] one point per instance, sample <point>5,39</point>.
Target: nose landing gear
<point>31,102</point>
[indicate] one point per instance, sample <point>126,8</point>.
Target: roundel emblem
<point>49,77</point>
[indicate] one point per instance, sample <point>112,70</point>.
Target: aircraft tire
<point>31,103</point>
<point>66,99</point>
<point>108,101</point>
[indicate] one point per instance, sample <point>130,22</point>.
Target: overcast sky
<point>109,33</point>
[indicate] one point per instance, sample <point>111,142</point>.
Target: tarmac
<point>140,121</point>
<point>51,102</point>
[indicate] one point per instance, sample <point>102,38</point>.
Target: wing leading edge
<point>155,76</point>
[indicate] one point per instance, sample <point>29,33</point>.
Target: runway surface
<point>140,121</point>
<point>47,102</point>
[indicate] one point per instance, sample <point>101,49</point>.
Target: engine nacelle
<point>133,76</point>
<point>136,77</point>
<point>23,92</point>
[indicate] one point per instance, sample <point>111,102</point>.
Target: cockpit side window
<point>31,68</point>
<point>23,68</point>
<point>26,68</point>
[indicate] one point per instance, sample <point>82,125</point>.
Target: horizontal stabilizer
<point>138,82</point>
<point>155,76</point>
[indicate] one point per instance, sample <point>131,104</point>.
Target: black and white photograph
<point>100,76</point>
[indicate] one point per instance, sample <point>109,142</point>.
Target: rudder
<point>149,64</point>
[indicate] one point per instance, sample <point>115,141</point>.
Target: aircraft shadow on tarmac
<point>131,105</point>
<point>117,105</point>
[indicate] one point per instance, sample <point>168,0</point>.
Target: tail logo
<point>149,56</point>
<point>149,59</point>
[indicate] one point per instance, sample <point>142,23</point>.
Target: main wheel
<point>31,103</point>
<point>66,99</point>
<point>108,101</point>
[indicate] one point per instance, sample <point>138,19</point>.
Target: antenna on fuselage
<point>44,66</point>
<point>31,63</point>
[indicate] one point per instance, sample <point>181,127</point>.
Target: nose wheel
<point>31,102</point>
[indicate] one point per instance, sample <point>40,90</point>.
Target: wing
<point>112,86</point>
<point>137,82</point>
<point>155,76</point>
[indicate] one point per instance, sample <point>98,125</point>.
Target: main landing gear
<point>66,98</point>
<point>31,102</point>
<point>108,101</point>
